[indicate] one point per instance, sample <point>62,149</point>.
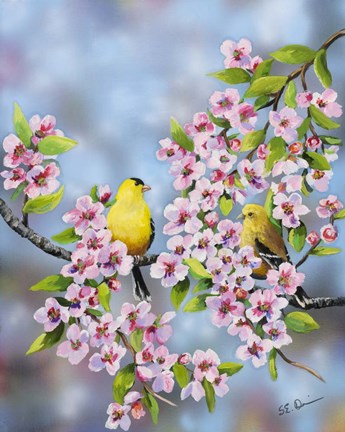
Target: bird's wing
<point>272,258</point>
<point>152,236</point>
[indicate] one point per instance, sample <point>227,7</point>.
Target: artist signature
<point>298,404</point>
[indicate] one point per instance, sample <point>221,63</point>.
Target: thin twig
<point>301,366</point>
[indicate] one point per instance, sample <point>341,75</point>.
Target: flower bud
<point>184,359</point>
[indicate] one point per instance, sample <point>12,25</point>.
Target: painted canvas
<point>172,216</point>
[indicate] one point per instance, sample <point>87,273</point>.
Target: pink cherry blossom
<point>51,314</point>
<point>186,170</point>
<point>109,358</point>
<point>17,152</point>
<point>103,332</point>
<point>251,175</point>
<point>86,214</point>
<point>226,256</point>
<point>118,416</point>
<point>184,359</point>
<point>170,151</point>
<point>133,398</point>
<point>243,117</point>
<point>326,103</point>
<point>206,364</point>
<point>13,178</point>
<point>180,246</point>
<point>216,143</point>
<point>254,63</point>
<point>285,123</point>
<point>104,193</point>
<point>215,266</point>
<point>328,206</point>
<point>262,151</point>
<point>313,143</point>
<point>83,266</point>
<point>78,298</point>
<point>160,330</point>
<point>217,175</point>
<point>289,165</point>
<point>94,241</point>
<point>277,332</point>
<point>331,153</point>
<point>194,389</point>
<point>286,280</point>
<point>304,99</point>
<point>201,145</point>
<point>313,238</point>
<point>220,386</point>
<point>235,144</point>
<point>201,124</point>
<point>114,284</point>
<point>225,286</point>
<point>224,101</point>
<point>43,127</point>
<point>243,283</point>
<point>265,304</point>
<point>319,179</point>
<point>114,258</point>
<point>228,235</point>
<point>329,233</point>
<point>211,219</point>
<point>182,215</point>
<point>288,209</point>
<point>241,327</point>
<point>76,347</point>
<point>256,350</point>
<point>206,194</point>
<point>164,381</point>
<point>170,268</point>
<point>237,53</point>
<point>204,245</point>
<point>42,180</point>
<point>245,260</point>
<point>224,309</point>
<point>221,160</point>
<point>231,187</point>
<point>289,184</point>
<point>133,317</point>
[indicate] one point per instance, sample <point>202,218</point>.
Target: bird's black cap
<point>137,181</point>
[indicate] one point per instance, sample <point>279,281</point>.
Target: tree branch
<point>319,302</point>
<point>301,366</point>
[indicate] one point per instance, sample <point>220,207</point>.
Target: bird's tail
<point>300,298</point>
<point>140,290</point>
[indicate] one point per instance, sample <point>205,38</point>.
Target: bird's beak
<point>146,188</point>
<point>240,216</point>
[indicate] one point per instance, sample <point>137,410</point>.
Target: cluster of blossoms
<point>30,170</point>
<point>214,172</point>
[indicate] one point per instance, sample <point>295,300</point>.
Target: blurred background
<point>113,72</point>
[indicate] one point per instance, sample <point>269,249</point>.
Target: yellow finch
<point>268,244</point>
<point>129,220</point>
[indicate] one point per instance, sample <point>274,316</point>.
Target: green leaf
<point>263,69</point>
<point>290,95</point>
<point>297,237</point>
<point>91,282</point>
<point>179,292</point>
<point>321,119</point>
<point>54,144</point>
<point>294,54</point>
<point>231,76</point>
<point>306,188</point>
<point>265,86</point>
<point>277,149</point>
<point>179,135</point>
<point>123,382</point>
<point>21,126</point>
<point>252,140</point>
<point>46,340</point>
<point>110,203</point>
<point>218,121</point>
<point>260,102</point>
<point>104,296</point>
<point>317,161</point>
<point>67,236</point>
<point>53,283</point>
<point>272,364</point>
<point>181,374</point>
<point>303,129</point>
<point>321,69</point>
<point>269,206</point>
<point>300,322</point>
<point>196,304</point>
<point>93,194</point>
<point>202,285</point>
<point>19,190</point>
<point>152,405</point>
<point>225,205</point>
<point>94,312</point>
<point>44,203</point>
<point>324,250</point>
<point>230,368</point>
<point>63,301</point>
<point>196,269</point>
<point>136,339</point>
<point>209,394</point>
<point>339,215</point>
<point>330,140</point>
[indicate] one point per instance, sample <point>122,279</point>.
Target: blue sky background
<point>113,72</point>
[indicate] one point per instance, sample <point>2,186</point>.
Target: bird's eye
<point>250,214</point>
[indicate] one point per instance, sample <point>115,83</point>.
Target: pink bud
<point>313,238</point>
<point>184,358</point>
<point>211,219</point>
<point>114,284</point>
<point>235,144</point>
<point>296,147</point>
<point>313,142</point>
<point>262,151</point>
<point>329,233</point>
